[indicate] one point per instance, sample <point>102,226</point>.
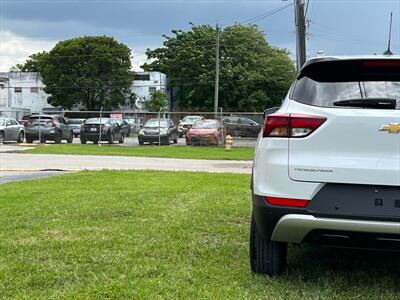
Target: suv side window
<point>8,122</point>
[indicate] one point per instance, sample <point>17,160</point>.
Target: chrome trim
<point>293,228</point>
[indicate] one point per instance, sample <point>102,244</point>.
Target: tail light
<point>287,202</point>
<point>291,125</point>
<point>51,122</point>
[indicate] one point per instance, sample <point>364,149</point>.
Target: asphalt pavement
<point>9,176</point>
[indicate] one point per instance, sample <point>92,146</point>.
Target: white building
<point>21,93</point>
<point>145,83</point>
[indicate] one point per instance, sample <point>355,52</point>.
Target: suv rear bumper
<point>342,210</point>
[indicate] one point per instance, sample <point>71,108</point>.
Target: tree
<point>247,65</point>
<point>92,71</point>
<point>157,101</point>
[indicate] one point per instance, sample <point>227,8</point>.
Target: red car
<point>205,132</point>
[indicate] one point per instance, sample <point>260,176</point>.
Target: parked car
<point>125,126</point>
<point>241,126</point>
<point>76,125</point>
<point>326,167</point>
<point>11,130</point>
<point>48,127</point>
<point>205,132</point>
<point>110,131</point>
<point>156,130</point>
<point>187,123</point>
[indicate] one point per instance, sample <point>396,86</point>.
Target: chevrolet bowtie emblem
<point>391,128</point>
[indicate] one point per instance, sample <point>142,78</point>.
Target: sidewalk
<point>37,162</point>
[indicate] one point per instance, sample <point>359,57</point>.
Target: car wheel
<point>28,140</point>
<point>140,142</point>
<point>1,137</point>
<point>111,138</point>
<point>83,140</point>
<point>95,142</point>
<point>57,138</point>
<point>122,138</point>
<point>20,137</point>
<point>70,139</point>
<point>266,256</point>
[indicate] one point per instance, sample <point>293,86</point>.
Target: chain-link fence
<point>237,124</point>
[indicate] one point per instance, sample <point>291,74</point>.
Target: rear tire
<point>1,137</point>
<point>20,137</point>
<point>266,257</point>
<point>141,142</point>
<point>83,141</point>
<point>57,138</point>
<point>111,138</point>
<point>70,139</point>
<point>121,140</point>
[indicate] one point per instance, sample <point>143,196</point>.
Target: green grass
<point>154,235</point>
<point>148,151</point>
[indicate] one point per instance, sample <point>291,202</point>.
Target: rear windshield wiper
<point>379,103</point>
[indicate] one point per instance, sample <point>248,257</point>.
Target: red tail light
<point>291,125</point>
<point>52,124</point>
<point>286,201</point>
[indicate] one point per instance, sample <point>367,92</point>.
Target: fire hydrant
<point>228,143</point>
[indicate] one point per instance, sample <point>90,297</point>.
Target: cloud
<point>15,49</point>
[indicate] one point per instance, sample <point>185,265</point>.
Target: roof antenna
<point>388,52</point>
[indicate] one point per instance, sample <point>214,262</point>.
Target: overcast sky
<point>336,26</point>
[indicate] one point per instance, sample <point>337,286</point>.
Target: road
<point>8,176</point>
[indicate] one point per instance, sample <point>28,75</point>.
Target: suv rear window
<point>41,118</point>
<point>323,83</point>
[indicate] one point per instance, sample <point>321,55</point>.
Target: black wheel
<point>266,257</point>
<point>20,137</point>
<point>83,141</point>
<point>57,138</point>
<point>70,139</point>
<point>1,137</point>
<point>141,142</point>
<point>111,138</point>
<point>121,139</point>
<point>28,140</point>
<point>95,142</point>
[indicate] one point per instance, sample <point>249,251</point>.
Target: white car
<point>327,163</point>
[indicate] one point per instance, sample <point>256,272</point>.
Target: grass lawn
<point>148,151</point>
<point>153,235</point>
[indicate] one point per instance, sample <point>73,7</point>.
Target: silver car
<point>11,130</point>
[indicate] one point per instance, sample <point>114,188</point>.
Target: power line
<point>266,15</point>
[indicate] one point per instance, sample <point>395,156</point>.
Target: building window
<point>17,90</point>
<point>34,89</point>
<point>142,77</point>
<point>152,89</point>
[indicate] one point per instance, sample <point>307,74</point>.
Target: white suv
<point>327,163</point>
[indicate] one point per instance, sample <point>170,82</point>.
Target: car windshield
<point>74,121</point>
<point>41,118</point>
<point>2,122</point>
<point>206,124</point>
<point>156,123</point>
<point>190,119</point>
<point>97,121</point>
<point>327,83</point>
<point>130,121</point>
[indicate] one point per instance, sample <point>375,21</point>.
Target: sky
<point>337,27</point>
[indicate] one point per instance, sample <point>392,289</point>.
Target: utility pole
<point>216,94</point>
<point>300,23</point>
